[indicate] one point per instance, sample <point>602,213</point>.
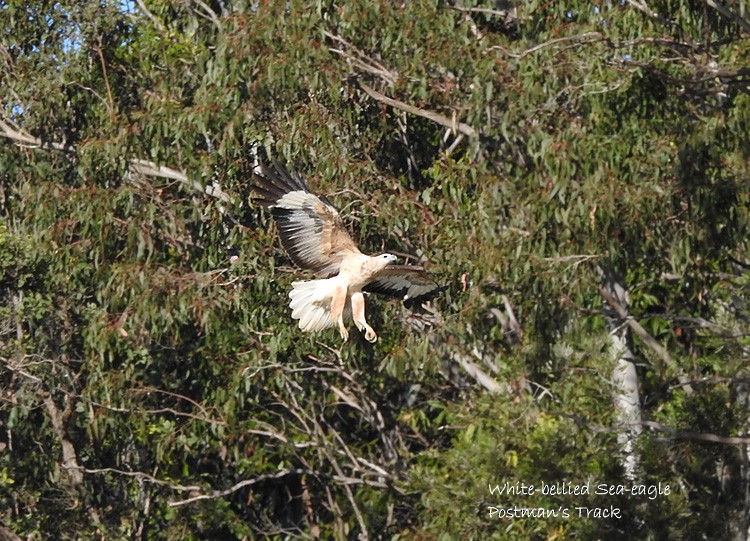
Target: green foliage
<point>153,383</point>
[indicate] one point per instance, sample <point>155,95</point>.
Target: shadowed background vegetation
<point>531,154</point>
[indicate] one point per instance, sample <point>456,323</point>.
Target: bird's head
<point>385,259</point>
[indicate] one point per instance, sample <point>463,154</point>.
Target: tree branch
<point>642,6</point>
<point>59,420</point>
<point>587,36</point>
<point>7,535</point>
<point>643,334</point>
<point>150,15</point>
<point>234,488</point>
<point>637,328</point>
<point>479,375</point>
<point>24,139</point>
<point>726,12</point>
<point>210,494</point>
<point>429,115</point>
<point>675,434</point>
<point>364,63</point>
<point>361,61</point>
<point>508,13</point>
<point>146,477</point>
<point>693,436</point>
<point>209,14</point>
<point>137,165</point>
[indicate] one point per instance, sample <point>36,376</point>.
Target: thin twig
<point>214,494</point>
<point>111,100</point>
<point>146,477</point>
<point>486,11</point>
<point>587,37</point>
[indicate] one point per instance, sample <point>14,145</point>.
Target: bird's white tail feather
<point>311,304</point>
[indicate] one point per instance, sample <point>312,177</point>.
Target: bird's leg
<point>358,313</point>
<point>337,311</point>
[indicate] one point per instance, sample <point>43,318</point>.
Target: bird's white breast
<point>357,270</point>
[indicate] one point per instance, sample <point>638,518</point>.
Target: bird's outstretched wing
<point>409,283</point>
<point>310,228</point>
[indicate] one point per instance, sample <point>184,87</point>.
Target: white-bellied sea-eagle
<point>314,236</point>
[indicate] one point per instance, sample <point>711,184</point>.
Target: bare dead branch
<point>576,258</point>
<point>348,399</point>
<point>309,511</point>
<point>59,419</point>
<point>363,63</point>
<point>664,42</point>
<point>158,411</point>
<point>19,368</point>
<point>515,327</point>
<point>137,166</point>
<point>281,437</point>
<point>479,375</point>
<point>199,406</point>
<point>649,340</point>
<point>429,115</point>
<point>700,323</point>
<point>367,407</point>
<point>717,379</point>
<point>24,139</point>
<point>150,169</point>
<point>473,27</point>
<point>454,144</point>
<point>340,474</point>
<point>214,494</point>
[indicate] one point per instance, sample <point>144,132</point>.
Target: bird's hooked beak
<point>392,259</point>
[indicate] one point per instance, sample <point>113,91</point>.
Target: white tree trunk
<point>626,397</point>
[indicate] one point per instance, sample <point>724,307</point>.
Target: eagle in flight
<point>314,236</point>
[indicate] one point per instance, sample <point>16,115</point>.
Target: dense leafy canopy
<point>153,384</point>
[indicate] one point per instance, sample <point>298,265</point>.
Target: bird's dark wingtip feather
<point>272,183</point>
<point>288,179</point>
<point>410,302</point>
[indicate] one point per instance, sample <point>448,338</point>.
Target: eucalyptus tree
<point>575,173</point>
